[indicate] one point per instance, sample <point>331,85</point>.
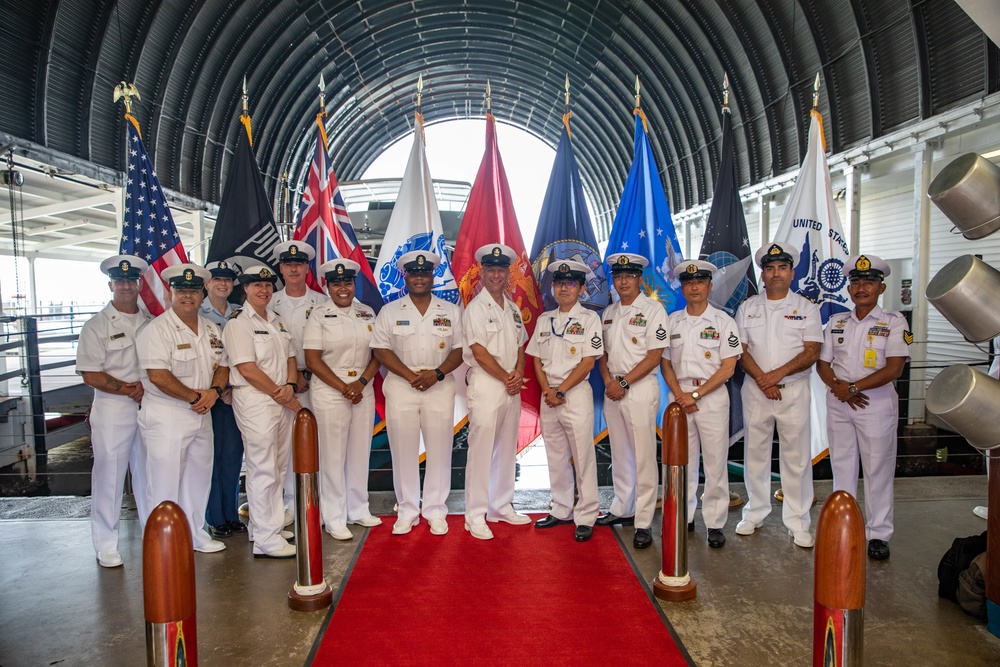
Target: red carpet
<point>526,597</point>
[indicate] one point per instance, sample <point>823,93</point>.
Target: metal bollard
<point>839,584</point>
<point>168,588</point>
<point>310,592</point>
<point>674,583</point>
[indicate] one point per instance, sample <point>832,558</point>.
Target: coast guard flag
<point>490,218</point>
<point>727,245</point>
<point>148,229</point>
<point>564,231</point>
<point>325,225</point>
<point>643,226</point>
<point>811,224</point>
<point>415,224</point>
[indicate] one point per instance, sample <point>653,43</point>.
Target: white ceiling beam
<point>106,233</point>
<point>58,208</point>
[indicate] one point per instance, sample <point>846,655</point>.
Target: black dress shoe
<point>716,538</point>
<point>643,538</point>
<point>237,526</point>
<point>691,526</point>
<point>583,533</point>
<point>550,521</point>
<point>878,549</point>
<point>222,530</point>
<point>610,519</point>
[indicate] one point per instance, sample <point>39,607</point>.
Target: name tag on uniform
<point>674,336</point>
<point>262,332</point>
<point>117,336</point>
<point>402,323</point>
<point>870,357</point>
<point>330,315</point>
<point>184,346</point>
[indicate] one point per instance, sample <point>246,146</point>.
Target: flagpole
<point>816,92</point>
<point>489,110</point>
<point>418,116</point>
<point>638,105</point>
<point>567,114</point>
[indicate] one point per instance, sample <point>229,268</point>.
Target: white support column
<point>198,222</point>
<point>853,176</point>
<point>687,238</point>
<point>31,307</point>
<point>923,157</point>
<point>764,214</point>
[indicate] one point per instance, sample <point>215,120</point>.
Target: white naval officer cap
<point>293,251</point>
<point>186,276</point>
<point>339,269</point>
<point>417,261</point>
<point>123,267</point>
<point>627,262</point>
<point>867,267</point>
<point>496,254</point>
<point>696,268</point>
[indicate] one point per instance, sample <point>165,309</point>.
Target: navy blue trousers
<point>223,501</point>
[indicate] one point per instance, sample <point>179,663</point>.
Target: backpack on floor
<point>972,588</point>
<point>955,561</point>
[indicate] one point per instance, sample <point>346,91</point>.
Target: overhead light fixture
<point>992,154</point>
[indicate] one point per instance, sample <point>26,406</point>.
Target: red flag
<point>489,218</point>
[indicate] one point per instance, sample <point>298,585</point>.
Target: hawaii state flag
<point>415,224</point>
<point>727,245</point>
<point>811,224</point>
<point>564,231</point>
<point>148,229</point>
<point>643,226</point>
<point>489,218</point>
<point>325,225</point>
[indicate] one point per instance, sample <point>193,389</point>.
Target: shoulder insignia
<point>733,340</point>
<point>908,337</point>
<point>661,333</point>
<point>596,342</point>
<point>235,314</point>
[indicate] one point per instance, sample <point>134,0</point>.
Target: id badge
<point>870,357</point>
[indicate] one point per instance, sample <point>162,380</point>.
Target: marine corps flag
<point>489,218</point>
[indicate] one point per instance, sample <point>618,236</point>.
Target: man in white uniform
<point>635,333</point>
<point>566,344</point>
<point>863,355</point>
<point>262,367</point>
<point>494,350</point>
<point>107,361</point>
<point>184,368</point>
<point>337,351</point>
<point>704,348</point>
<point>781,332</point>
<point>418,338</point>
<point>293,304</point>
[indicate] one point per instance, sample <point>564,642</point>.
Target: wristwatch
<point>295,387</point>
<point>695,395</point>
<point>852,389</point>
<point>217,389</point>
<point>440,375</point>
<point>561,396</point>
<point>623,382</point>
<point>363,381</point>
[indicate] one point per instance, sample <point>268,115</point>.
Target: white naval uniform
<point>107,343</point>
<point>266,425</point>
<point>494,415</point>
<point>629,333</point>
<point>774,332</point>
<point>422,342</point>
<point>294,311</point>
<point>180,447</point>
<point>698,344</point>
<point>343,336</point>
<point>561,341</point>
<point>869,432</point>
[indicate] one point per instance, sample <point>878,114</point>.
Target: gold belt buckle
<point>351,374</point>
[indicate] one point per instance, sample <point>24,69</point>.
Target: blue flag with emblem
<point>643,226</point>
<point>565,232</point>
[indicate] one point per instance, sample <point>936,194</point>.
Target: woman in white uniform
<point>337,353</point>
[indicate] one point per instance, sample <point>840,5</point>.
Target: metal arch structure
<point>883,64</point>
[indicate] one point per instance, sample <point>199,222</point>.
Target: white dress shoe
<point>480,531</point>
<point>210,547</point>
<point>287,535</point>
<point>402,527</point>
<point>746,527</point>
<point>368,521</point>
<point>981,512</point>
<point>287,551</point>
<point>514,518</point>
<point>289,517</point>
<point>340,534</point>
<point>802,538</point>
<point>438,526</point>
<point>109,558</point>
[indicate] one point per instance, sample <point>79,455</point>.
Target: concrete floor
<point>754,604</point>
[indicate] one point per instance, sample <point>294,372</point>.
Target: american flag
<point>325,225</point>
<point>148,229</point>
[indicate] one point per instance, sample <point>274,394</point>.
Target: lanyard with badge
<point>870,354</point>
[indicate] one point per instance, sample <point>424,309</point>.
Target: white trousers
<point>180,452</point>
<point>867,435</point>
<point>632,431</point>
<point>568,431</point>
<point>409,414</point>
<point>708,437</point>
<point>288,484</point>
<point>267,442</point>
<point>117,444</point>
<point>345,441</point>
<point>791,415</point>
<point>494,419</point>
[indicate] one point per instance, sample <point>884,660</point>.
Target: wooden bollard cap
<point>675,436</point>
<point>840,553</point>
<point>168,565</point>
<point>305,443</point>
